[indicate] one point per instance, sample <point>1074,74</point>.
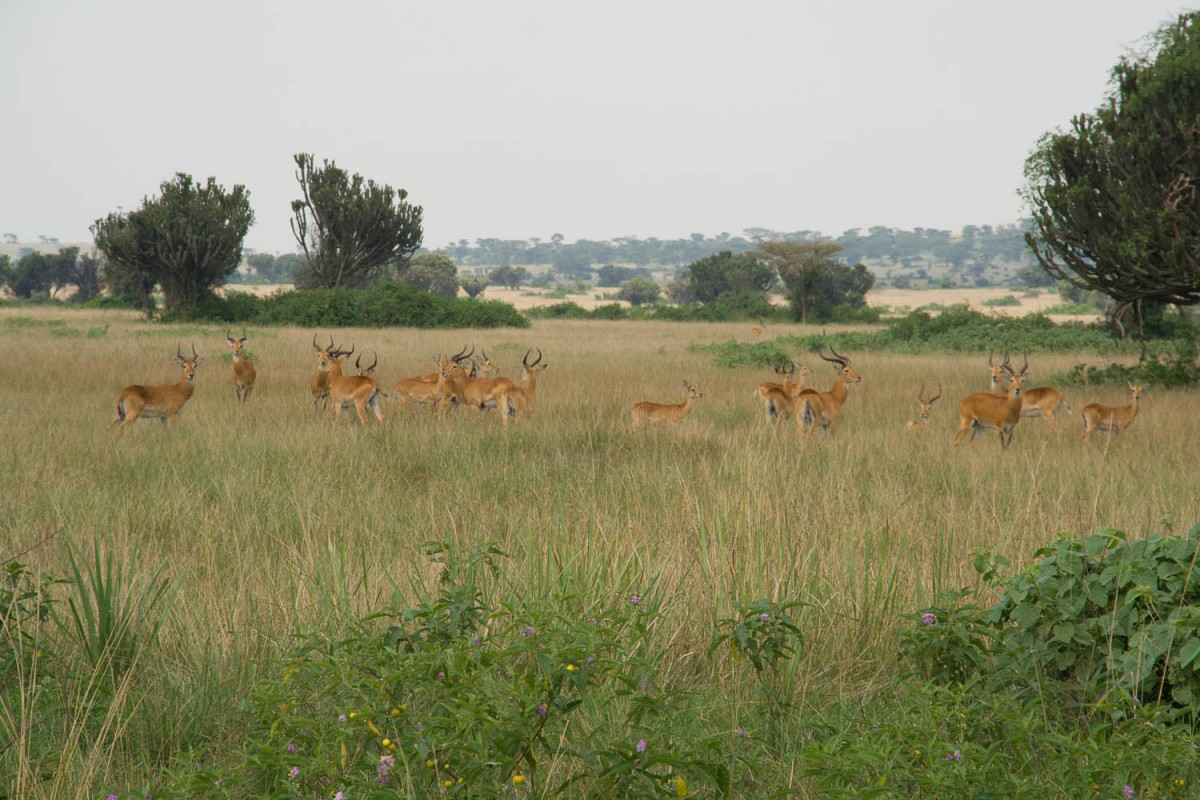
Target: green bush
<point>557,696</point>
<point>386,305</point>
<point>1179,368</point>
<point>1105,614</point>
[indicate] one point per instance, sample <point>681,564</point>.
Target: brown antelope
<point>647,412</point>
<point>778,398</point>
<point>823,408</point>
<point>982,410</point>
<point>520,400</point>
<point>756,332</point>
<point>345,391</point>
<point>922,420</point>
<point>243,370</point>
<point>1098,417</point>
<point>996,386</point>
<point>483,393</point>
<point>1042,401</point>
<point>423,389</point>
<point>158,402</point>
<point>320,379</point>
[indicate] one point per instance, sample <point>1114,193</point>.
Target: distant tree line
<point>984,245</point>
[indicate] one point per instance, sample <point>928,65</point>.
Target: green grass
<point>271,520</point>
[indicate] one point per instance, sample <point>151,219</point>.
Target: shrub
<point>1180,368</point>
<point>1106,614</point>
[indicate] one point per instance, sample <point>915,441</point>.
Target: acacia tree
<point>351,229</point>
<point>187,242</point>
<point>1114,200</point>
<point>817,280</point>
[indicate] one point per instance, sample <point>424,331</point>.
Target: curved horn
<point>462,354</point>
<point>374,363</point>
<point>1026,364</point>
<point>357,363</point>
<point>536,361</point>
<point>179,352</point>
<point>844,359</point>
<point>934,399</point>
<point>315,345</point>
<point>195,355</point>
<point>921,396</point>
<point>990,354</point>
<point>525,358</point>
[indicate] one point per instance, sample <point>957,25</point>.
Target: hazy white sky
<point>525,119</point>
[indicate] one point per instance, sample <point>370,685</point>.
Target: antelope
<point>484,393</point>
<point>162,402</point>
<point>996,386</point>
<point>922,420</point>
<point>778,398</point>
<point>320,379</point>
<point>359,391</point>
<point>647,412</point>
<point>982,410</point>
<point>1098,417</point>
<point>243,371</point>
<point>423,389</point>
<point>1042,401</point>
<point>520,400</point>
<point>756,332</point>
<point>824,408</point>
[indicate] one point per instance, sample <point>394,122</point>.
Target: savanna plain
<point>270,518</point>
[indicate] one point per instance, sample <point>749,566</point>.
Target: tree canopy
<point>724,273</point>
<point>818,282</point>
<point>1114,198</point>
<point>187,242</point>
<point>351,228</point>
<point>433,273</point>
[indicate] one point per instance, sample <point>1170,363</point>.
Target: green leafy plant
<point>949,642</point>
<point>1106,614</point>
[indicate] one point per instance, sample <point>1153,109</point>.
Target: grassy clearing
<point>270,519</point>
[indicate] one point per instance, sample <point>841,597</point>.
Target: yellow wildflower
<point>518,779</point>
<point>680,787</point>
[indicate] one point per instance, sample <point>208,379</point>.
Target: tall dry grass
<point>272,519</point>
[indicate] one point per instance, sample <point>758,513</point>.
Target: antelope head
<point>926,405</point>
<point>189,364</point>
<point>845,371</point>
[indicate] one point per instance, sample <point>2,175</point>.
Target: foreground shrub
<point>543,696</point>
<point>1107,615</point>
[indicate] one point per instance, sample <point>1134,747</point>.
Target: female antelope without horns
<point>162,402</point>
<point>647,412</point>
<point>983,410</point>
<point>1099,417</point>
<point>244,373</point>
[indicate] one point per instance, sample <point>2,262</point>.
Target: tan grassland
<point>272,517</point>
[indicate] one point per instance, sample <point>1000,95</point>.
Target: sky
<point>531,118</point>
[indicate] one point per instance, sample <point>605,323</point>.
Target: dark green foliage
<point>820,286</point>
<point>508,276</point>
<point>1171,370</point>
<point>187,241</point>
<point>431,273</point>
<point>1113,198</point>
<point>610,276</point>
<point>473,285</point>
<point>639,291</point>
<point>949,642</point>
<point>350,228</point>
<point>1105,614</point>
<point>387,305</point>
<point>724,273</point>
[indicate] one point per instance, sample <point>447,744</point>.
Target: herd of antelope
<point>464,380</point>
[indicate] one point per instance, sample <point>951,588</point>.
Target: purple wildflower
<point>635,600</point>
<point>955,756</point>
<point>641,745</point>
<point>929,620</point>
<point>475,640</point>
<point>764,617</point>
<point>291,748</point>
<point>385,766</point>
<point>339,796</point>
<point>341,717</point>
<point>1127,791</point>
<point>294,773</point>
<point>441,676</point>
<point>528,631</point>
